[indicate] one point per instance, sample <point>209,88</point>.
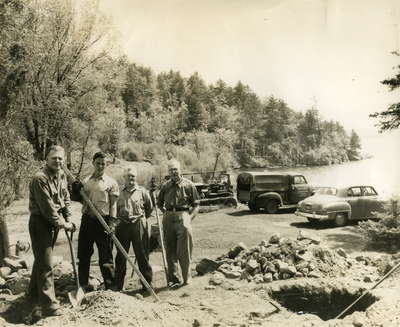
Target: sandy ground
<point>231,303</point>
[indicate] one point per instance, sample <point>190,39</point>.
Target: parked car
<point>341,204</point>
<point>271,191</point>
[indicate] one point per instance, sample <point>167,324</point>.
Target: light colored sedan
<point>341,204</point>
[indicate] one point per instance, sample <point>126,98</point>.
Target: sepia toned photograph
<point>214,163</point>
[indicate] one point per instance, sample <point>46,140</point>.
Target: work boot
<point>53,312</point>
<point>36,314</point>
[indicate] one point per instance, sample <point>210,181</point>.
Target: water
<point>382,171</point>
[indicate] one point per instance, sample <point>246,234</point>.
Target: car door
<point>371,201</point>
<point>354,198</point>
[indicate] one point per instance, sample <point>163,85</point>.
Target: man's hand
<point>68,226</point>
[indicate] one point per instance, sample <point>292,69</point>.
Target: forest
<point>64,80</point>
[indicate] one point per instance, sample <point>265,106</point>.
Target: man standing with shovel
<point>102,191</point>
<point>49,203</point>
<point>134,208</point>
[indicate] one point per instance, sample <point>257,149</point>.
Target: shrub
<point>384,232</point>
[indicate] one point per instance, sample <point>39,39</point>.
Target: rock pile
<point>15,274</point>
<point>281,258</point>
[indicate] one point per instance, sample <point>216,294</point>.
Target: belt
<point>178,209</point>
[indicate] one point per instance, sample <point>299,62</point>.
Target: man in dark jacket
<point>49,203</point>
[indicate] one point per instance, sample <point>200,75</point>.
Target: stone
<point>268,278</point>
<point>270,267</point>
<point>13,264</point>
<point>288,269</point>
<point>341,252</point>
<point>62,268</point>
<point>298,274</point>
<point>2,282</point>
<point>210,287</point>
<point>18,285</point>
<point>286,276</point>
<point>251,265</point>
<point>275,238</point>
<point>367,279</point>
<point>13,275</point>
<point>5,271</point>
<point>232,274</point>
<point>206,266</point>
<point>216,279</point>
<point>258,279</point>
<point>314,274</point>
<point>233,252</point>
<point>196,323</point>
<point>306,236</point>
<point>95,283</point>
<point>275,276</point>
<point>360,258</point>
<point>301,265</point>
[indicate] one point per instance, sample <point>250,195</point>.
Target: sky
<point>330,54</point>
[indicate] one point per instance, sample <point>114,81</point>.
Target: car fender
<point>338,207</point>
<point>270,196</point>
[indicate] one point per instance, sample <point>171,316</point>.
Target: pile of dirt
<point>281,258</point>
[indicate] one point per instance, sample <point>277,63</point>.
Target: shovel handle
<point>113,237</point>
<point>71,249</point>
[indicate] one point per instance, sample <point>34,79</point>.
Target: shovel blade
<point>76,297</point>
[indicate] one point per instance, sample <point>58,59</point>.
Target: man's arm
<point>160,199</point>
<point>195,199</point>
<point>66,211</point>
<point>148,205</point>
<point>41,193</point>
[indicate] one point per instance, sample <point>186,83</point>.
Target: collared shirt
<point>99,191</point>
<point>178,195</point>
<point>134,203</point>
<point>49,196</point>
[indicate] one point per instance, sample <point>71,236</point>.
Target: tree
<point>353,151</point>
<point>62,60</point>
<point>390,118</point>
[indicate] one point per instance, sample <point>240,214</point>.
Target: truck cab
<point>271,190</point>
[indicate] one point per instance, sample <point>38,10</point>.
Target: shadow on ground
<point>246,212</point>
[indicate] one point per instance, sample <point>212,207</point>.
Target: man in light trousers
<point>179,201</point>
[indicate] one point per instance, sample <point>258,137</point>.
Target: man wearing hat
<point>133,209</point>
<point>179,201</point>
<point>103,192</point>
<point>49,206</point>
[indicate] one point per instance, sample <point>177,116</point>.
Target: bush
<point>132,152</point>
<point>384,232</point>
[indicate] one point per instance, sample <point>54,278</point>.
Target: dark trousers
<point>136,233</point>
<point>41,286</point>
<point>91,232</point>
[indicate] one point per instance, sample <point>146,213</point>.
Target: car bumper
<point>312,215</point>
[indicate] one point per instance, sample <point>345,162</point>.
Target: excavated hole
<point>324,302</point>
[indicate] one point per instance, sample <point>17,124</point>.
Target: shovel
<point>75,297</point>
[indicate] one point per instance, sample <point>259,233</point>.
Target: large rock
<point>206,266</point>
<point>216,279</point>
<point>252,265</point>
<point>5,271</point>
<point>233,252</point>
<point>62,268</point>
<point>12,263</point>
<point>275,238</point>
<point>18,285</point>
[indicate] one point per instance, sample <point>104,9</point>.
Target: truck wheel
<point>340,219</point>
<point>253,207</point>
<point>272,206</point>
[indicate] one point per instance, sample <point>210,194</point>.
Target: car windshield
<point>325,190</point>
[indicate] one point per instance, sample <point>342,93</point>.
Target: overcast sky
<point>330,54</point>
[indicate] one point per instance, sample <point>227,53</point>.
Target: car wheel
<point>272,206</point>
<point>341,219</point>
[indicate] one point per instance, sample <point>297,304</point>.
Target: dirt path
<point>230,303</point>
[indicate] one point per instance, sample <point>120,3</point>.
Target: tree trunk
<point>4,240</point>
